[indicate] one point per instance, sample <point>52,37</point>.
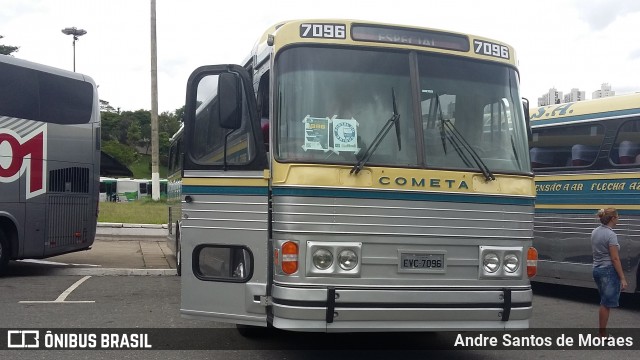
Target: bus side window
<point>628,152</point>
<point>626,148</point>
<point>541,157</point>
<point>583,155</point>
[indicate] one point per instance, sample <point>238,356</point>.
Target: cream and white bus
<point>358,176</point>
<point>586,156</point>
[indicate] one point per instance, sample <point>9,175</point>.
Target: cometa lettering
<point>423,182</point>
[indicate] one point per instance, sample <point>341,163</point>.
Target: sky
<point>560,44</point>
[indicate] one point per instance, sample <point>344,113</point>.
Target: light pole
<point>76,33</point>
<point>155,176</point>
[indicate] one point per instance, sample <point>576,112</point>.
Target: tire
<point>5,251</point>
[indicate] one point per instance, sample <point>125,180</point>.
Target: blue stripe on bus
<point>356,194</point>
<point>225,190</point>
<point>399,195</point>
<point>596,116</point>
<point>592,198</point>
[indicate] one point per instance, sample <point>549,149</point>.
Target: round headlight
<point>322,259</point>
<point>491,263</point>
<point>511,263</point>
<point>347,259</point>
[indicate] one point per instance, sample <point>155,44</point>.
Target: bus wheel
<point>5,252</point>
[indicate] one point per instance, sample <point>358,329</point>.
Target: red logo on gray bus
<point>24,154</point>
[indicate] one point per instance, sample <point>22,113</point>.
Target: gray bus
<point>353,176</point>
<point>49,160</point>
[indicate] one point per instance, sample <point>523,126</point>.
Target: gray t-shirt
<point>601,238</point>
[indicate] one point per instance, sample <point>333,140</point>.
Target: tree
<point>123,153</point>
<point>7,49</point>
<point>168,123</point>
<point>122,132</point>
<point>163,145</point>
<point>134,135</point>
<point>105,107</point>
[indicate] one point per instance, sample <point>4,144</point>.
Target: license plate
<point>422,262</point>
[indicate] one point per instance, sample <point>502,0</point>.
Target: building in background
<point>552,97</point>
<point>555,97</point>
<point>605,90</point>
<point>574,95</point>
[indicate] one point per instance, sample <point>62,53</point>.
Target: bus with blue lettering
<point>49,160</point>
<point>586,156</point>
<point>358,176</point>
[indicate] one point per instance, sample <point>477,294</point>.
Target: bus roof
<point>588,110</point>
<point>383,35</point>
<point>44,68</point>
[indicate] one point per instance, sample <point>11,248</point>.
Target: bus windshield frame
<point>330,102</point>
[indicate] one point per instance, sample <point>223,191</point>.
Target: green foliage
<point>134,134</point>
<point>164,144</point>
<point>123,153</point>
<point>123,133</point>
<point>7,49</point>
<point>141,168</point>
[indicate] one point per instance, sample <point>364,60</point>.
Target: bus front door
<point>224,249</point>
<point>225,200</point>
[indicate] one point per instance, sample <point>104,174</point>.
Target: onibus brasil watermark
<point>37,339</point>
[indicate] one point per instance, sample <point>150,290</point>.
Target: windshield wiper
<point>459,142</point>
<point>443,134</point>
<point>488,175</point>
<point>393,120</point>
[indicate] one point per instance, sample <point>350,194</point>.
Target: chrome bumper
<point>400,309</point>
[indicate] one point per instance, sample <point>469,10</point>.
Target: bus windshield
<point>332,103</point>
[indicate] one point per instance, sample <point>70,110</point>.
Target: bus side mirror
<point>527,118</point>
<point>230,100</point>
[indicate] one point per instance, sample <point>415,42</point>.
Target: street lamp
<point>75,32</point>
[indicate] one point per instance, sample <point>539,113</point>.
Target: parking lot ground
<point>111,256</point>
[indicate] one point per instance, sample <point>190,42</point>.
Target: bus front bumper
<point>338,309</point>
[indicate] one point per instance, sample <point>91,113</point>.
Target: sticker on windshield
<point>316,133</point>
<point>345,135</point>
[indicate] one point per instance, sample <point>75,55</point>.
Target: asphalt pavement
<point>119,249</point>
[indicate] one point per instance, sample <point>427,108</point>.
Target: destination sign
<point>433,39</point>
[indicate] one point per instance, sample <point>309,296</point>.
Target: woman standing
<point>607,269</point>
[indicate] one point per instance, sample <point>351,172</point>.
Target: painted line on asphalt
<point>62,298</point>
<point>45,262</point>
<point>112,272</point>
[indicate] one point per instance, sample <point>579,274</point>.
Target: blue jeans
<point>608,284</point>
